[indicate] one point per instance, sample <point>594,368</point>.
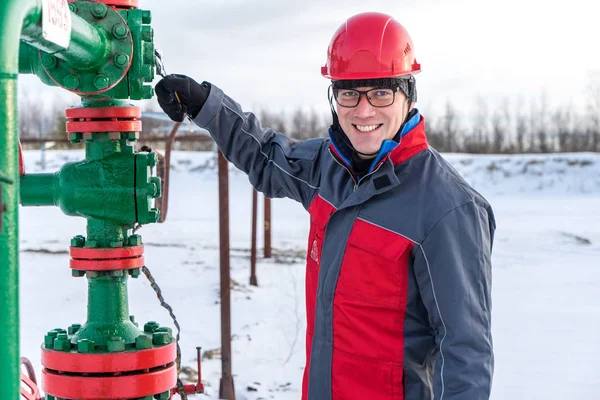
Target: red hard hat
<point>368,46</point>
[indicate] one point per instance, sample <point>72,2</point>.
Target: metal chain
<point>154,285</point>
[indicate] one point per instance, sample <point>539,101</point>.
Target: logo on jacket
<point>314,252</point>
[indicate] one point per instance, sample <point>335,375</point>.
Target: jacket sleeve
<point>276,165</point>
<point>454,279</point>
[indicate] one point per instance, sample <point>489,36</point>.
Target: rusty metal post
<point>165,164</point>
<point>226,390</point>
<point>253,280</point>
<point>267,239</point>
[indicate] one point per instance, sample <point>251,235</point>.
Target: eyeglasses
<point>378,97</point>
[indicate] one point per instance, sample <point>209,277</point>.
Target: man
<point>398,275</point>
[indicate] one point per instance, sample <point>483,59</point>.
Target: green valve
<point>110,58</point>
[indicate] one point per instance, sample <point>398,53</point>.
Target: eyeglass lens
<point>376,97</point>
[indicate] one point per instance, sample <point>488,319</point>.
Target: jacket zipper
<point>356,182</point>
<point>335,158</point>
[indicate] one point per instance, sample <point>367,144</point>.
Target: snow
<point>546,275</point>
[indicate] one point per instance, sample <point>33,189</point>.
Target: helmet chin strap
<point>336,121</point>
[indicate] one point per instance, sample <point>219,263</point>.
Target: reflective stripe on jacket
<point>398,276</point>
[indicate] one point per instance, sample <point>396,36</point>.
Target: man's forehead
<point>360,88</point>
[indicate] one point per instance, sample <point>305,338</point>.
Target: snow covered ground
<point>546,307</point>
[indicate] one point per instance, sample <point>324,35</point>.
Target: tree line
<point>513,126</point>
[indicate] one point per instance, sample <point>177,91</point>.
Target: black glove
<point>192,96</point>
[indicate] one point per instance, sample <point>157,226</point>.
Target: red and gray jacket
<point>398,275</point>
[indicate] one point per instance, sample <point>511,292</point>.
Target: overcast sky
<point>268,53</point>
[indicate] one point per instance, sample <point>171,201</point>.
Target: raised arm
<point>276,165</point>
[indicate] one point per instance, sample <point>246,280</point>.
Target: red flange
<point>103,112</point>
<point>104,126</point>
<point>109,387</point>
<point>106,254</point>
<point>86,259</point>
<point>104,119</point>
<point>82,363</point>
<point>107,265</point>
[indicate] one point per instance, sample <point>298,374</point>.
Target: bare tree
<point>520,124</point>
<point>543,132</point>
<point>562,119</point>
<point>500,130</point>
<point>478,140</point>
<point>273,120</point>
<point>450,127</point>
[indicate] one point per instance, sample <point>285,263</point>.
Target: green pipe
<point>12,13</point>
<point>108,311</point>
<point>29,63</point>
<point>36,190</point>
<point>88,48</point>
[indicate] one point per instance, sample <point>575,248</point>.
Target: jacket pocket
<point>359,378</point>
<point>372,268</point>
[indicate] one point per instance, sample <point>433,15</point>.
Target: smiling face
<point>367,126</point>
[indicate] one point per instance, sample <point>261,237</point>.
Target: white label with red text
<point>56,22</point>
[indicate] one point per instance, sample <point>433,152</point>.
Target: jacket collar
<point>410,144</point>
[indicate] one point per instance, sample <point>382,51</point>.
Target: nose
<point>364,109</point>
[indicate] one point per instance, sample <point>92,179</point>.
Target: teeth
<point>367,128</point>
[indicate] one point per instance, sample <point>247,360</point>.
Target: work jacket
<point>398,274</point>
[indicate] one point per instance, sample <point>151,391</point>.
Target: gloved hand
<point>192,96</point>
